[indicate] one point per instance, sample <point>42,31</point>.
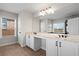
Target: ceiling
<point>17,7</point>
<point>61,9</point>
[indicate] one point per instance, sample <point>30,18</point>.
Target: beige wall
<point>35,25</point>
<point>26,23</point>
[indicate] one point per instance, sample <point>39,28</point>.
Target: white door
<point>67,48</point>
<point>51,48</point>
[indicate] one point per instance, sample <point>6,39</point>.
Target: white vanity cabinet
<point>68,49</point>
<point>33,42</point>
<point>61,48</point>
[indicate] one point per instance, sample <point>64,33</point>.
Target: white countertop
<point>70,38</point>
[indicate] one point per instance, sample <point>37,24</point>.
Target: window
<point>59,28</point>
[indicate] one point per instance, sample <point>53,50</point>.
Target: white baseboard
<point>7,43</point>
<point>43,48</point>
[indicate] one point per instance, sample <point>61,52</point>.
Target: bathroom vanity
<point>55,45</point>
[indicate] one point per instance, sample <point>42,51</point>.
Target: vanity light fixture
<point>46,11</point>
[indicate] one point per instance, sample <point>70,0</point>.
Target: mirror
<point>61,26</point>
<point>52,26</point>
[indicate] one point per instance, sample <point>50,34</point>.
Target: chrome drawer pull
<point>56,43</point>
<point>59,44</point>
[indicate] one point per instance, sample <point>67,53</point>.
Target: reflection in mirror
<point>59,27</point>
<point>50,26</point>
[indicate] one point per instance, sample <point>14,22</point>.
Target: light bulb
<point>50,11</point>
<point>42,13</point>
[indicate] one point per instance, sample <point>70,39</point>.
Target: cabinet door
<point>27,40</point>
<point>37,43</point>
<point>51,48</point>
<point>67,49</point>
<point>32,42</point>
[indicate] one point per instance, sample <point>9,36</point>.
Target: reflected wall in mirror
<point>7,27</point>
<point>50,26</point>
<point>73,26</point>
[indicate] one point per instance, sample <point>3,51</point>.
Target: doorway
<point>8,27</point>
